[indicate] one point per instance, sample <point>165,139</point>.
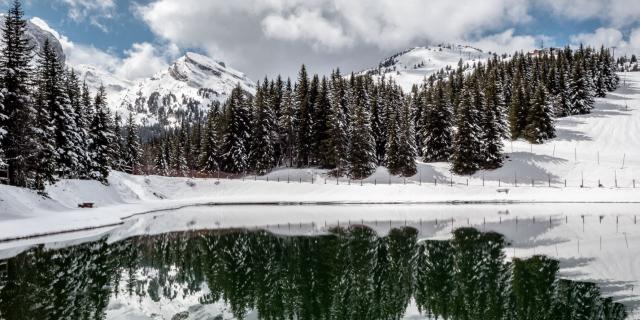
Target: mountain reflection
<point>347,274</point>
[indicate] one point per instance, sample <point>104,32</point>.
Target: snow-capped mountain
<point>412,66</point>
<point>37,36</point>
<point>190,85</point>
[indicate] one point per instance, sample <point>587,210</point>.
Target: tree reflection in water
<point>347,274</point>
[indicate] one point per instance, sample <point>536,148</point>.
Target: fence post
<point>549,177</point>
<point>532,183</point>
<point>515,179</point>
<point>467,182</point>
<point>483,179</point>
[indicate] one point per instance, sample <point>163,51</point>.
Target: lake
<point>332,262</point>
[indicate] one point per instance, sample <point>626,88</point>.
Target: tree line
<point>353,124</point>
<point>349,273</point>
<point>50,126</point>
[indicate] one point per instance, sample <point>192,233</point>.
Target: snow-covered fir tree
<point>492,125</point>
<point>132,151</point>
<point>362,148</point>
<point>407,137</point>
<point>581,90</point>
<point>338,127</point>
<point>15,73</point>
<point>467,144</point>
<point>209,160</point>
<point>102,138</point>
<point>262,156</point>
<point>235,144</point>
<point>303,120</point>
<point>539,120</point>
<point>437,126</point>
<point>286,124</point>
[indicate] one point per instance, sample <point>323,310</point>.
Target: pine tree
<point>179,163</point>
<point>52,87</point>
<point>466,143</point>
<point>118,156</point>
<point>518,108</point>
<point>581,90</point>
<point>17,144</point>
<point>85,117</point>
<point>437,127</point>
<point>43,164</point>
<point>132,150</point>
<point>322,111</point>
<point>392,153</point>
<point>102,138</point>
<point>210,152</point>
<point>338,127</point>
<point>539,122</point>
<point>362,151</point>
<point>160,161</point>
<point>303,120</point>
<point>237,134</point>
<point>263,136</point>
<point>407,147</point>
<point>286,124</point>
<point>491,126</point>
<point>82,121</point>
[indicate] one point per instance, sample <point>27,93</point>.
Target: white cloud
<point>307,25</point>
<point>507,42</point>
<point>95,11</point>
<point>610,37</point>
<point>329,24</point>
<point>140,61</point>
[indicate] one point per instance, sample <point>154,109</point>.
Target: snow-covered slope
<point>189,85</point>
<point>412,66</point>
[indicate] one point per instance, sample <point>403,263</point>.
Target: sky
<point>135,39</point>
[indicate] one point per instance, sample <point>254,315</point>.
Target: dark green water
<point>347,274</point>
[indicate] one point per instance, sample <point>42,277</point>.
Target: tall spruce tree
<point>237,133</point>
<point>43,164</point>
<point>491,126</point>
<point>539,121</point>
<point>338,127</point>
<point>51,86</point>
<point>118,157</point>
<point>286,125</point>
<point>85,118</point>
<point>437,127</point>
<point>210,153</point>
<point>303,120</point>
<point>18,119</point>
<point>263,136</point>
<point>467,144</point>
<point>362,156</point>
<point>102,138</point>
<point>581,90</point>
<point>322,111</point>
<point>132,151</point>
<point>407,136</point>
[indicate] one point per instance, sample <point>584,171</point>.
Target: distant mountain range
<point>188,87</point>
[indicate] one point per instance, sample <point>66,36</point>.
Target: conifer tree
<point>118,157</point>
<point>491,127</point>
<point>518,108</point>
<point>303,120</point>
<point>322,111</point>
<point>132,150</point>
<point>237,134</point>
<point>85,115</point>
<point>362,151</point>
<point>102,138</point>
<point>82,121</point>
<point>262,139</point>
<point>437,127</point>
<point>338,127</point>
<point>539,122</point>
<point>210,152</point>
<point>43,164</point>
<point>392,160</point>
<point>15,71</point>
<point>286,125</point>
<point>160,161</point>
<point>178,155</point>
<point>61,112</point>
<point>581,90</point>
<point>407,137</point>
<point>466,143</point>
